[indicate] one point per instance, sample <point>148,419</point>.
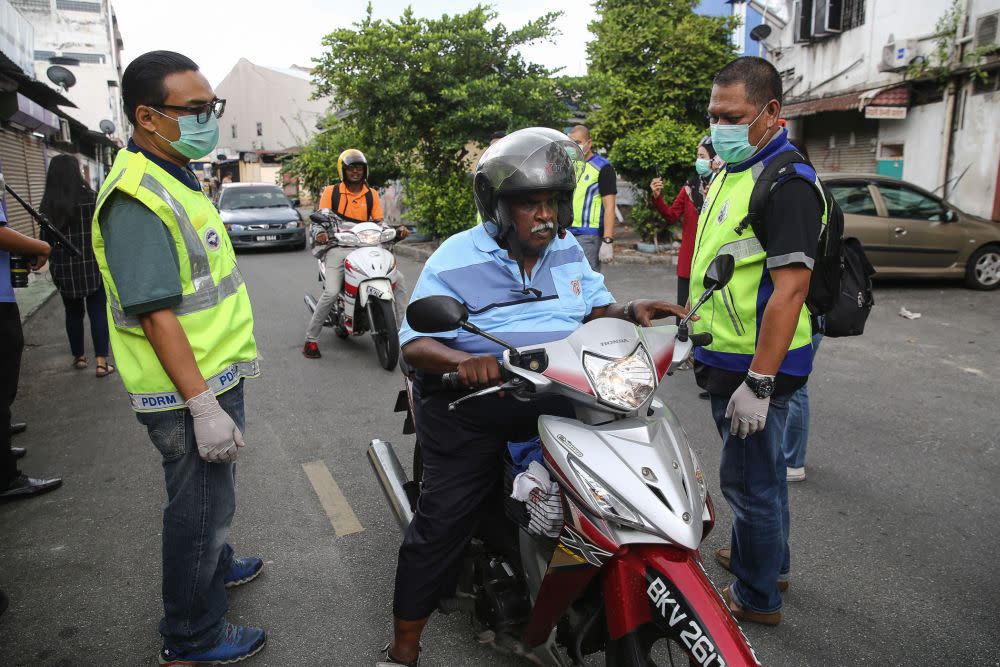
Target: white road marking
<point>342,517</point>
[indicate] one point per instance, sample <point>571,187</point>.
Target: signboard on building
<point>894,113</point>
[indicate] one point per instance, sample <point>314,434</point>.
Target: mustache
<point>542,226</point>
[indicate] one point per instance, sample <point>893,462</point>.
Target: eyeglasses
<point>216,107</point>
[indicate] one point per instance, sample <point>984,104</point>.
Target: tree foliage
<point>417,91</point>
<point>652,66</point>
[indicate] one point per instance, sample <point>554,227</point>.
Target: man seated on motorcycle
<point>524,280</point>
<point>350,200</point>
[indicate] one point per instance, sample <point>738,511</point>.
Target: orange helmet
<point>352,156</point>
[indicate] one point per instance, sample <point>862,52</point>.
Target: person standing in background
<point>686,208</point>
<point>594,203</point>
<point>68,203</point>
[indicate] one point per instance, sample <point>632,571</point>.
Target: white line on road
<point>342,517</point>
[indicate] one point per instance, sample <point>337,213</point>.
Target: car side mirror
<point>950,215</point>
<point>436,314</point>
<point>719,272</point>
<point>296,203</point>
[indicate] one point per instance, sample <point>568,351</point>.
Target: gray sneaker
<point>795,474</point>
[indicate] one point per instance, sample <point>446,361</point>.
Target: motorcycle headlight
<point>388,235</point>
<point>347,238</point>
<point>369,237</point>
<point>625,382</point>
<point>608,504</point>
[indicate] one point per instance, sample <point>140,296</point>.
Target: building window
<point>852,14</point>
<point>79,6</point>
<point>260,129</point>
<point>44,55</point>
<point>233,126</point>
<point>90,58</point>
<point>37,5</point>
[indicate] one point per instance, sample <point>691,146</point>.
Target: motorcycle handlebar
<point>701,339</point>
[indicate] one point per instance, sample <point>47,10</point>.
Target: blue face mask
<point>703,167</point>
<point>197,139</point>
<point>732,142</point>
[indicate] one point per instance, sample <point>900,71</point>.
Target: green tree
<point>418,91</point>
<point>652,66</point>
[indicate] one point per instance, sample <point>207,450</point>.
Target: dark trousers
<point>201,501</point>
<point>683,286</point>
<point>95,306</point>
<point>11,344</point>
<point>462,458</point>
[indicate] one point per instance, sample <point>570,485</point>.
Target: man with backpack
<point>761,351</point>
<point>350,200</point>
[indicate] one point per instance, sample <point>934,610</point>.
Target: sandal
<point>104,370</point>
<point>79,363</point>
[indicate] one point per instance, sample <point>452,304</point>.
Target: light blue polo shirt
<point>472,268</point>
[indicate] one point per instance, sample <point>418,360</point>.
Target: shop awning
<point>848,102</point>
<point>893,96</point>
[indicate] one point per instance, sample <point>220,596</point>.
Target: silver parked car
<point>259,215</point>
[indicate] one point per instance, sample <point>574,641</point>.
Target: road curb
<point>413,252</point>
<point>34,296</point>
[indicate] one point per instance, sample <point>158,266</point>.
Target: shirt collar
<point>483,241</point>
<point>767,151</point>
<point>182,174</point>
<point>345,191</point>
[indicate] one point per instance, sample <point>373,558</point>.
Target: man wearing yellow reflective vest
<point>183,337</point>
<point>761,350</point>
<point>594,203</point>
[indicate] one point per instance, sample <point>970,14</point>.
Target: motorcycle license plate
<point>375,292</point>
<point>268,237</point>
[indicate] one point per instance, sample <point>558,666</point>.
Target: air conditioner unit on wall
<point>987,33</point>
<point>897,55</point>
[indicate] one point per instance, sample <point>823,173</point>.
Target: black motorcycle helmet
<point>529,160</point>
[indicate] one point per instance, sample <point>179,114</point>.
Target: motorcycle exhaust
<point>310,302</point>
<point>392,479</point>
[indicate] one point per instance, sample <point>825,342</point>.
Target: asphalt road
<point>894,534</point>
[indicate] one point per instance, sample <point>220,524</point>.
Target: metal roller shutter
<point>854,139</point>
<point>22,159</point>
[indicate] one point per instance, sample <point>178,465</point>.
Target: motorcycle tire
<point>384,332</point>
<point>647,647</point>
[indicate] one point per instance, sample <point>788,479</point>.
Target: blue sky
<point>286,32</point>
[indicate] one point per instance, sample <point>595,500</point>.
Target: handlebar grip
<point>701,339</point>
<point>450,381</point>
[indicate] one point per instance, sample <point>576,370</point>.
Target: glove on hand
<point>606,254</point>
<point>748,412</point>
<point>216,434</point>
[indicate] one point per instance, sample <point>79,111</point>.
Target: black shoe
<point>4,602</point>
<point>18,427</point>
<point>24,487</point>
<point>18,452</point>
<point>704,395</point>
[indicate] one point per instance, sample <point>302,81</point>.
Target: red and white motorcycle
<point>608,558</point>
<point>366,303</point>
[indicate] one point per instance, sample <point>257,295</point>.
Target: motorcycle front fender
<point>375,288</point>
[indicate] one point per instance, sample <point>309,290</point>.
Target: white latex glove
<point>216,434</point>
<point>748,412</point>
<point>606,254</point>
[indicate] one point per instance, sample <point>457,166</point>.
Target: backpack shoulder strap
<point>370,202</point>
<point>779,169</point>
<point>335,203</point>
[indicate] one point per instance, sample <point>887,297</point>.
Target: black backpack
<point>841,286</point>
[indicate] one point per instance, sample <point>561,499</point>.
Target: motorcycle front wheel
<point>384,332</point>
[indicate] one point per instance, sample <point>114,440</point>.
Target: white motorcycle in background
<point>365,303</point>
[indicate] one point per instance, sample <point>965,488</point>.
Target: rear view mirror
<point>436,314</point>
<point>719,272</point>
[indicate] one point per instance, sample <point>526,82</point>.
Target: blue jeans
<point>797,427</point>
<point>752,478</point>
<point>201,501</point>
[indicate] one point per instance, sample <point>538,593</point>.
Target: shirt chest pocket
<point>568,281</point>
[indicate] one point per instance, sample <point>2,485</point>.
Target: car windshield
<point>262,197</point>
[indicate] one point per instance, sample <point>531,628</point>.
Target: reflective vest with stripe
<point>214,311</point>
<point>588,207</point>
<point>734,314</point>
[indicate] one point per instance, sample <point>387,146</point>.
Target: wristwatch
<point>608,239</point>
<point>761,385</point>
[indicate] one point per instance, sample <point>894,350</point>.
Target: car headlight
<point>608,504</point>
<point>236,228</point>
<point>369,237</point>
<point>388,235</point>
<point>625,382</point>
<point>292,224</point>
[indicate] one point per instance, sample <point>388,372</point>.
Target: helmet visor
<point>533,159</point>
